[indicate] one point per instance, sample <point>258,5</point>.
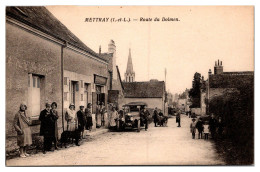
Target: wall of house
<point>27,53</point>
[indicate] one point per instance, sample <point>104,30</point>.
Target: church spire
<point>129,68</point>
<point>129,74</point>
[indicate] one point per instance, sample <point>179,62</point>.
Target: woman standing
<point>21,125</point>
<point>72,122</point>
<point>88,115</point>
<point>55,117</point>
<point>113,118</point>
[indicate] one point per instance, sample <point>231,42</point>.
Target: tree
<point>194,92</point>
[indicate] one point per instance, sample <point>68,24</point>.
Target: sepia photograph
<point>129,85</point>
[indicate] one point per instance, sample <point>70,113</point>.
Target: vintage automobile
<point>131,118</point>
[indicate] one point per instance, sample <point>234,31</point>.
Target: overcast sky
<point>203,35</point>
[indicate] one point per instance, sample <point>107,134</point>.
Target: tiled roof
<point>41,19</point>
<point>144,89</point>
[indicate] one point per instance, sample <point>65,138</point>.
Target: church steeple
<point>129,74</point>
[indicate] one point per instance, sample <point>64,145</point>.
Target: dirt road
<point>157,146</point>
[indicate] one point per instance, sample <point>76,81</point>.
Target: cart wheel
<point>138,126</point>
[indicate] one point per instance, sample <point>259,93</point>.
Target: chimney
<point>215,63</point>
<point>218,62</point>
<point>99,49</point>
<point>210,72</point>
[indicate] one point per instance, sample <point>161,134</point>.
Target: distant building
<point>151,92</point>
<point>129,74</point>
<point>221,82</point>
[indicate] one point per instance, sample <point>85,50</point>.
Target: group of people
<point>211,126</point>
<point>158,117</point>
<point>76,121</point>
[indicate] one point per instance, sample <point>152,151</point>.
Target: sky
<point>202,35</point>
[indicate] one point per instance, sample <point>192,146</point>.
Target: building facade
<point>151,92</point>
<point>45,62</point>
<point>221,82</point>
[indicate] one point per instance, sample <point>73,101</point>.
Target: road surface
<point>157,146</point>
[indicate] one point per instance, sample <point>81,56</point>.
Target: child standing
<point>206,131</point>
<point>193,128</point>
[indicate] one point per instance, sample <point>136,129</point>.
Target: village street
<point>157,146</point>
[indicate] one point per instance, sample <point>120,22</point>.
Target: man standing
<point>47,129</point>
<point>81,120</point>
<point>212,125</point>
<point>145,114</point>
<point>155,117</point>
<point>199,126</point>
<point>178,119</point>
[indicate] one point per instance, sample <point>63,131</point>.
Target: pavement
<point>170,145</point>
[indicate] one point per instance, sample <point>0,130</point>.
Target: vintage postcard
<point>129,85</point>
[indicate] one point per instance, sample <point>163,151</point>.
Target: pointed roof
<point>129,68</point>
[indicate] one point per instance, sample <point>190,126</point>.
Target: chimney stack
<point>99,49</point>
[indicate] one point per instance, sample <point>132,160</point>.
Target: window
<point>34,81</point>
<point>38,82</point>
<point>77,86</point>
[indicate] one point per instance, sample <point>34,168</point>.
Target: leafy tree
<point>237,111</point>
<point>194,92</point>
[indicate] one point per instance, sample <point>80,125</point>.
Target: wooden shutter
<point>94,102</point>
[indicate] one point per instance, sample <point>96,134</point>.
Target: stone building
<point>151,92</point>
<point>115,85</point>
<point>221,82</point>
<point>45,62</point>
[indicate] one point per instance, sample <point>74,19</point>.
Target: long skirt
<point>71,126</point>
<point>89,123</point>
<point>26,138</point>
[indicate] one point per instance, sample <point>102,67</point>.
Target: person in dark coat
<point>47,129</point>
<point>213,125</point>
<point>199,126</point>
<point>155,117</point>
<point>145,116</point>
<point>88,117</point>
<point>178,119</point>
<point>55,117</point>
<point>81,120</point>
<point>220,127</point>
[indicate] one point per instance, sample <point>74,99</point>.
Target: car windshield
<point>134,109</point>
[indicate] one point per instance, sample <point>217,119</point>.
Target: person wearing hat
<point>199,126</point>
<point>88,117</point>
<point>47,128</point>
<point>193,128</point>
<point>55,117</point>
<point>145,115</point>
<point>114,116</point>
<point>72,122</point>
<point>21,124</point>
<point>155,117</point>
<point>81,120</point>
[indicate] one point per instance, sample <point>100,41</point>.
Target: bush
<point>237,112</point>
